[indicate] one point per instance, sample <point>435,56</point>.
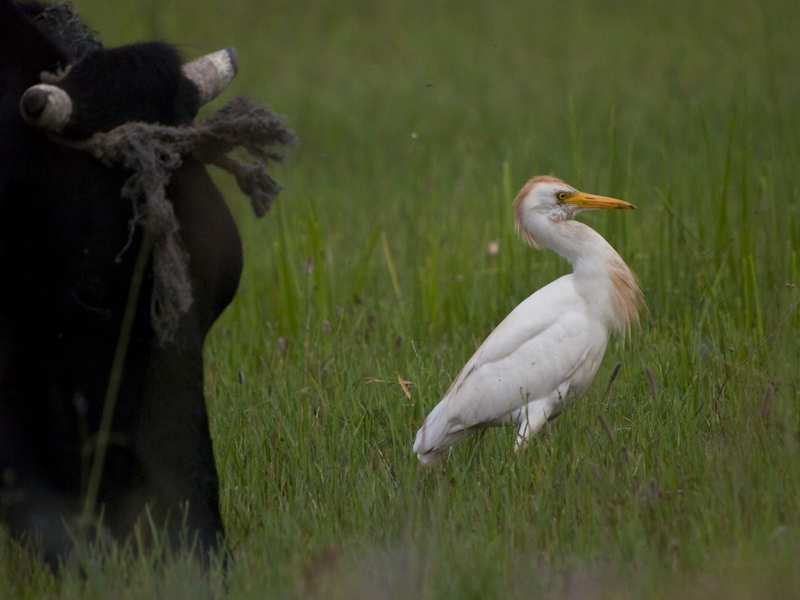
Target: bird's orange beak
<point>591,202</point>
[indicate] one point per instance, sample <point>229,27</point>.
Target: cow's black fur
<point>63,289</point>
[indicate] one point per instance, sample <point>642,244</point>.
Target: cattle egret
<point>548,349</point>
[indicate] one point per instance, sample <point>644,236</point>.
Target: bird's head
<point>549,199</point>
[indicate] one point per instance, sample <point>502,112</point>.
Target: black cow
<point>66,260</point>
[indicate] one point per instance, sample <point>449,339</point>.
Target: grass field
<point>418,123</point>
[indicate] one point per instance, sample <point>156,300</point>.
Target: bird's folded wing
<point>536,348</point>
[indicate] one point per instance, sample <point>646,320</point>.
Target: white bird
<point>548,349</point>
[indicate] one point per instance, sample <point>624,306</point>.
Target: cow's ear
<point>24,48</point>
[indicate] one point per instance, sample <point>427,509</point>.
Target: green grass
<point>418,123</point>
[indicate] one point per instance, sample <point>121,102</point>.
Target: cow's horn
<point>212,73</point>
<point>46,107</point>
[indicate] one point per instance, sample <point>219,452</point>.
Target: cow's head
<point>82,90</point>
<point>65,104</point>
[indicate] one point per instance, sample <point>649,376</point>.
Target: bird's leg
<point>522,437</point>
<point>530,419</point>
<point>535,414</point>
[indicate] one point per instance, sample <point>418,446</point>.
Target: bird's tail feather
<point>437,435</point>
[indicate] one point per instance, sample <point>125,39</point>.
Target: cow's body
<point>64,282</point>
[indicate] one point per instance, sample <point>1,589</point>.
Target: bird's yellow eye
<point>561,195</point>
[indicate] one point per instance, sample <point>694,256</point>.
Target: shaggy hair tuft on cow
<point>62,24</point>
<point>153,152</point>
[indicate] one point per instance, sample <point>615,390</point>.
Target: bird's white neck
<point>601,276</point>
